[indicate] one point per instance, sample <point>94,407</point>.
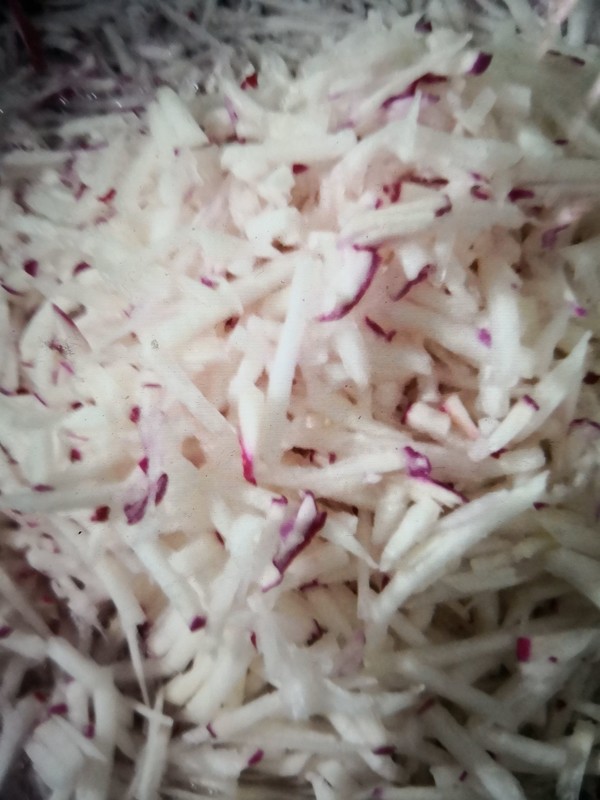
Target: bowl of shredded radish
<point>300,400</point>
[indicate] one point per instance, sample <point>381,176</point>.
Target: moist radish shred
<point>523,649</point>
<point>583,421</point>
<point>519,193</point>
<point>135,511</point>
<point>528,400</point>
<point>59,709</point>
<point>197,624</point>
<point>485,337</point>
<point>424,273</point>
<point>550,236</point>
<point>250,81</point>
<point>161,488</point>
<point>418,465</point>
<point>423,25</point>
<point>256,758</point>
<point>108,196</point>
<point>479,193</point>
<point>89,731</point>
<point>346,307</point>
<point>481,64</point>
<point>378,330</point>
<point>101,514</point>
<point>247,464</point>
<point>299,411</point>
<point>31,267</point>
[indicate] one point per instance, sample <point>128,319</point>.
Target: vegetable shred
<point>299,404</point>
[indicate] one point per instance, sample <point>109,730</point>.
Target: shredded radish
<point>299,408</point>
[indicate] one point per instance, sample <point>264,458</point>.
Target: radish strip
<point>299,410</point>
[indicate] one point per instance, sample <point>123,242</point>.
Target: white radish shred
<point>300,405</point>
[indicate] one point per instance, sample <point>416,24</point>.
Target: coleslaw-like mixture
<point>300,425</point>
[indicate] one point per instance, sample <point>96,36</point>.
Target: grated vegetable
<point>299,411</point>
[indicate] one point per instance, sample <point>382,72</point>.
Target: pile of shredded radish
<point>300,424</point>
